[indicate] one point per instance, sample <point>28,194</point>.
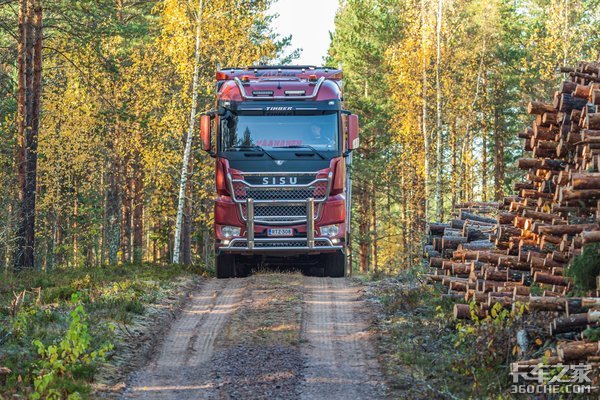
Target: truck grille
<point>269,201</point>
<point>278,212</point>
<point>316,191</point>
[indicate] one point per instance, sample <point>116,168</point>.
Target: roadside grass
<point>56,328</point>
<point>427,354</point>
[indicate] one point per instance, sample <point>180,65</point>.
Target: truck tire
<point>225,266</point>
<point>335,265</point>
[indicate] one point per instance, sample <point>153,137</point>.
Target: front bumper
<point>282,245</point>
<point>288,245</point>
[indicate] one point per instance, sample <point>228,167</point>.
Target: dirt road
<point>281,336</point>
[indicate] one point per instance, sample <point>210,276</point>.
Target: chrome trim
<point>250,223</point>
<point>329,245</point>
<point>278,173</point>
<point>314,94</point>
<point>310,223</point>
<point>283,187</point>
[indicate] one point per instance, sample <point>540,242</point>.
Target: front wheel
<point>225,266</point>
<point>228,266</point>
<point>335,265</point>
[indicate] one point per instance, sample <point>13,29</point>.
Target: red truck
<point>283,149</point>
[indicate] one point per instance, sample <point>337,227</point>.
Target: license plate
<point>280,232</point>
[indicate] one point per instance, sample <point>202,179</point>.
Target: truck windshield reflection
<point>244,131</point>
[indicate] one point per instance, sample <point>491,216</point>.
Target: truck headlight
<point>330,230</point>
<point>230,231</point>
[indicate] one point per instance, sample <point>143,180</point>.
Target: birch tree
<point>188,140</point>
<point>438,89</point>
<point>424,131</point>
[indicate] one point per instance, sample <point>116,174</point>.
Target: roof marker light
<point>245,78</point>
<point>312,77</point>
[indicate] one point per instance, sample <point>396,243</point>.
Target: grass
<point>38,306</point>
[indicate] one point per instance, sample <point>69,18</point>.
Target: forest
<point>475,206</point>
<point>93,178</point>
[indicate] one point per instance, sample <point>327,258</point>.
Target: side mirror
<point>205,132</point>
<point>353,141</point>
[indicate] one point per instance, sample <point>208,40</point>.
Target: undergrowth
<point>429,353</point>
<point>56,328</point>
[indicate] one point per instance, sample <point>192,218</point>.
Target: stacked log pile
<point>514,253</point>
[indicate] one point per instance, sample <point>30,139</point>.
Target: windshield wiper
<point>302,146</point>
<point>252,147</point>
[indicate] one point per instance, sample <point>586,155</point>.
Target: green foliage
<point>48,341</point>
<point>585,268</point>
<point>592,334</point>
<point>487,345</point>
<point>60,361</point>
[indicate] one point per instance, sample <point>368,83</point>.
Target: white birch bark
<point>439,167</point>
<point>424,112</point>
<point>188,141</point>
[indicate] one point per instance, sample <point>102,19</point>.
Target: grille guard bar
<point>308,244</point>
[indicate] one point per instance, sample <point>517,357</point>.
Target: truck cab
<point>282,145</point>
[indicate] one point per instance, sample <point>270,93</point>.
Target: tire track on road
<point>180,369</point>
<point>340,360</point>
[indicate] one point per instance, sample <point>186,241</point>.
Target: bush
<point>61,362</point>
<point>585,268</point>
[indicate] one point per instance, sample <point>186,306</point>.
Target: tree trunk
<point>363,226</point>
<point>454,173</point>
<point>498,156</point>
<point>188,141</point>
<point>126,214</point>
<point>186,232</point>
<point>113,208</point>
<point>424,133</point>
<point>438,87</point>
<point>75,228</point>
<point>373,230</point>
<point>188,219</point>
<point>138,210</point>
<point>22,60</point>
<point>484,164</point>
<point>28,110</point>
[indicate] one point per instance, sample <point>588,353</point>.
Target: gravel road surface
<point>270,336</point>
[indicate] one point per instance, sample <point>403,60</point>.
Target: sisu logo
<point>280,180</point>
<point>279,108</point>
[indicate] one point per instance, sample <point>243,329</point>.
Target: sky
<point>309,22</point>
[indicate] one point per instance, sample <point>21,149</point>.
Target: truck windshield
<point>272,131</point>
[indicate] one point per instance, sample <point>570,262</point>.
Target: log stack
<point>515,252</point>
